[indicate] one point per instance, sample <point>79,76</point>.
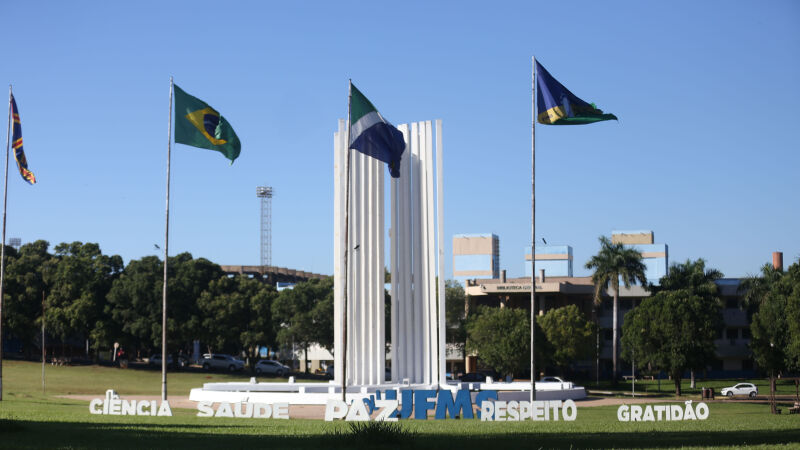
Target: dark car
<point>473,377</point>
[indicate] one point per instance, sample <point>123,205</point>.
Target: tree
<point>22,292</point>
<point>79,276</point>
<point>615,262</point>
<point>692,278</point>
<point>134,301</point>
<point>793,311</point>
<point>569,333</point>
<point>299,323</point>
<point>774,296</point>
<point>237,315</point>
<point>501,338</point>
<point>134,304</point>
<point>455,316</point>
<point>673,330</point>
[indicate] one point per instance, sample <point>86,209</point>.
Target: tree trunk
<point>615,334</point>
<point>693,385</point>
<point>305,358</point>
<point>676,377</point>
<point>597,344</point>
<point>773,407</point>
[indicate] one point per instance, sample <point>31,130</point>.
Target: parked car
<point>748,389</point>
<point>222,362</point>
<point>155,361</point>
<point>270,367</point>
<point>473,377</point>
<point>551,380</point>
<point>387,372</point>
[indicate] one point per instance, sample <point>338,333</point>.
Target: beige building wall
<point>632,238</point>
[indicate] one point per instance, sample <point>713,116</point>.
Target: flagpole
<point>533,225</point>
<point>166,254</point>
<point>3,250</point>
<point>44,350</point>
<point>346,244</point>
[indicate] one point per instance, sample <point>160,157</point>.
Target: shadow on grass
<point>37,434</point>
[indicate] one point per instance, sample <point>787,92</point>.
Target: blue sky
<point>705,153</point>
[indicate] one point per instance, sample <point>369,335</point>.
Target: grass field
<point>667,389</point>
<point>30,419</point>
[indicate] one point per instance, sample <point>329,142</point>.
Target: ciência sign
<point>114,406</point>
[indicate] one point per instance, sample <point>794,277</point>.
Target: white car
<point>269,367</point>
<point>554,383</point>
<point>748,389</point>
<point>551,380</point>
<point>222,362</point>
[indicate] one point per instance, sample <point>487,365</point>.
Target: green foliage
<point>372,433</point>
<point>237,313</point>
<point>775,299</point>
<point>793,313</point>
<point>134,303</point>
<point>22,291</point>
<point>305,314</point>
<point>455,318</point>
<point>135,299</point>
<point>612,263</point>
<point>78,278</point>
<point>570,334</point>
<point>501,337</point>
<point>672,330</point>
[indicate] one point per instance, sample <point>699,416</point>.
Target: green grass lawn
<point>667,388</point>
<point>30,419</point>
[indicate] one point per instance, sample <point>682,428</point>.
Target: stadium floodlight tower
<point>265,194</point>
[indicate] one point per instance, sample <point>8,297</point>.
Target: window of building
<point>607,335</point>
<point>732,303</point>
<point>746,333</point>
<point>747,364</point>
<point>732,333</point>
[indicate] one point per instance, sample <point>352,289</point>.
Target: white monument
<point>416,257</point>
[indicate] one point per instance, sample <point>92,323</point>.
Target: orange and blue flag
<point>16,142</point>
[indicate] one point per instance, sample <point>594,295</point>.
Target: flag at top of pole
<point>558,106</point>
<point>200,125</point>
<point>373,135</point>
<point>16,143</point>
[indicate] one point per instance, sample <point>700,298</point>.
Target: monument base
<point>319,393</point>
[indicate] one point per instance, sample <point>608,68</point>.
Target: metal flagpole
<point>346,244</point>
<point>3,248</point>
<point>533,225</point>
<point>166,254</point>
<point>44,351</point>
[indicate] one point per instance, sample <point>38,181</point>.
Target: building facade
<point>476,256</point>
<point>556,287</point>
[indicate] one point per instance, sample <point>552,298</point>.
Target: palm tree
<point>615,262</point>
<point>693,276</point>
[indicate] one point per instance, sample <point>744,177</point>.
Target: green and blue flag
<point>200,125</point>
<point>373,135</point>
<point>16,143</point>
<point>558,106</point>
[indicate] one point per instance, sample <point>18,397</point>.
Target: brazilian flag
<point>558,106</point>
<point>200,125</point>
